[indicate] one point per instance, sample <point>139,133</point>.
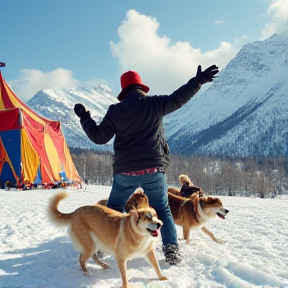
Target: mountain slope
<point>58,105</point>
<point>244,112</point>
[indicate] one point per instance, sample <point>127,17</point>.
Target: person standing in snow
<point>141,153</point>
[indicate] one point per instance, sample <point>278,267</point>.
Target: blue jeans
<point>155,187</point>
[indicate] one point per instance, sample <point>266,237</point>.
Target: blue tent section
<point>64,177</point>
<point>38,179</point>
<point>6,175</point>
<point>11,140</point>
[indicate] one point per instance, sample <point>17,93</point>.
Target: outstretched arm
<point>182,95</point>
<point>99,134</point>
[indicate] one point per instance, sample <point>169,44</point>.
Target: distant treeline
<point>249,176</point>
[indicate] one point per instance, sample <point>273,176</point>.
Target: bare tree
<point>263,177</point>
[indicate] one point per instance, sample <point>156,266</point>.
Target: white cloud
<point>219,22</point>
<point>32,81</point>
<point>163,65</point>
<point>278,13</point>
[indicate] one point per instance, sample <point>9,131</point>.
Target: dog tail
<point>55,215</point>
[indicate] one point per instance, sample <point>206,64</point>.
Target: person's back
<point>140,142</point>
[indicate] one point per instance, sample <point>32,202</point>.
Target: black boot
<point>172,254</point>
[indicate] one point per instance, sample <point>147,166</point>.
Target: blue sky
<point>59,44</point>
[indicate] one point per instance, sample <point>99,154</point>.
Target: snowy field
<point>35,254</point>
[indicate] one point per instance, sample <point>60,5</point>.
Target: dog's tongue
<point>154,233</point>
<point>221,216</point>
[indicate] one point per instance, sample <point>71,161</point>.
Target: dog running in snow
<point>191,213</point>
<point>130,235</point>
<point>194,212</point>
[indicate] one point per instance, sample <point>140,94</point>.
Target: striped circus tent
<point>32,148</point>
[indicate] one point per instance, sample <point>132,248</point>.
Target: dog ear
<point>134,215</point>
<point>130,204</point>
<point>133,207</point>
<point>139,190</point>
<point>203,201</point>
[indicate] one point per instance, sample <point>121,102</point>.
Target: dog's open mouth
<point>220,216</point>
<point>153,233</point>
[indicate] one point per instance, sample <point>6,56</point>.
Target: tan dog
<point>195,212</point>
<point>129,235</point>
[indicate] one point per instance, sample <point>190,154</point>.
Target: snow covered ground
<point>35,254</point>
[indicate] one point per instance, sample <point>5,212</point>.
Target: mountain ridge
<point>244,112</point>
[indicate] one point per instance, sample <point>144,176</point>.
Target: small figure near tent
<point>10,185</point>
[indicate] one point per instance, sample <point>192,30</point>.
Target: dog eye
<point>149,215</point>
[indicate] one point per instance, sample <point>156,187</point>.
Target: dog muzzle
<point>154,229</point>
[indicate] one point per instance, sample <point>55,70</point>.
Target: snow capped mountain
<point>244,112</point>
<point>59,105</point>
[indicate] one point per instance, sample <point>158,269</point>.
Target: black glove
<point>207,75</point>
<point>80,111</point>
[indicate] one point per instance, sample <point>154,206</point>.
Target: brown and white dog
<point>194,212</point>
<point>190,213</point>
<point>129,235</point>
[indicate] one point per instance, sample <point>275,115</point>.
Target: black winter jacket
<point>136,122</point>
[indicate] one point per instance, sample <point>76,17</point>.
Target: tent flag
<point>32,148</point>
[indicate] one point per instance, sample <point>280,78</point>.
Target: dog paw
<point>163,278</point>
<point>86,274</point>
<point>221,242</point>
<point>105,266</point>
